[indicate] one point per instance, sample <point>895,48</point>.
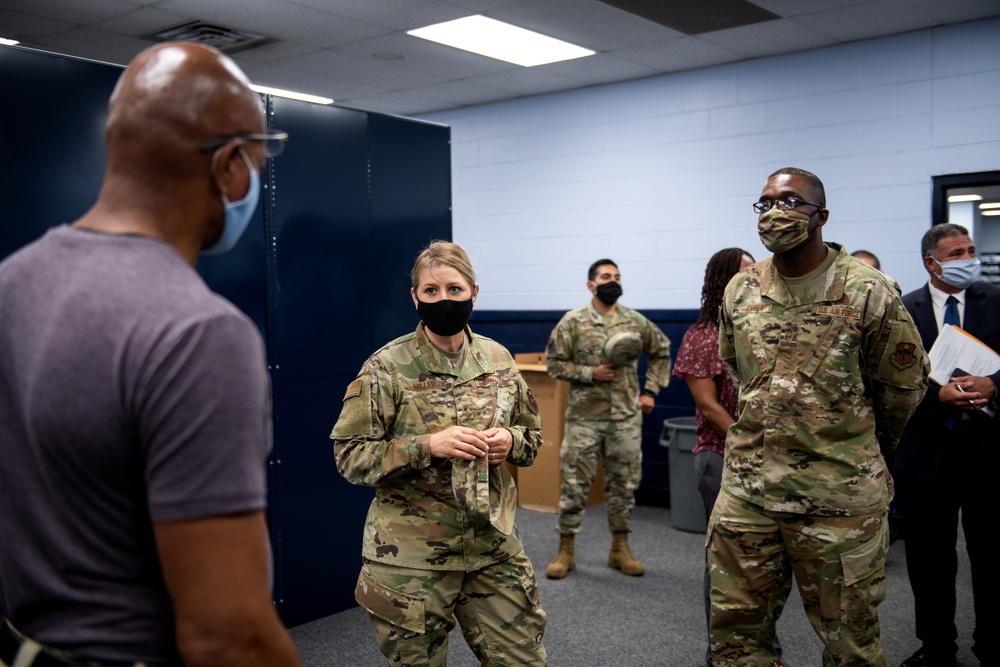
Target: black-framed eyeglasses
<point>274,142</point>
<point>786,204</point>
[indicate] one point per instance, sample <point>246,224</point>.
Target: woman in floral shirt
<point>708,377</point>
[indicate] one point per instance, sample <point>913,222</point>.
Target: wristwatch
<point>648,392</point>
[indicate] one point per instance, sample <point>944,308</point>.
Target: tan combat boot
<point>621,558</point>
<point>564,562</point>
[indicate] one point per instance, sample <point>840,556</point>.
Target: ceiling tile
<point>71,11</point>
<point>277,19</point>
<point>397,103</point>
<point>277,77</point>
<point>143,21</point>
<point>391,14</point>
<point>425,55</point>
<point>798,7</point>
<point>598,68</point>
<point>865,20</point>
<point>677,54</point>
<point>26,27</point>
<point>956,11</point>
<point>461,93</point>
<point>755,41</point>
<point>274,52</point>
<point>487,5</point>
<point>391,75</point>
<point>95,44</point>
<point>527,81</point>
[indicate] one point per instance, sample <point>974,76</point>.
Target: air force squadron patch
<point>903,357</point>
<point>532,403</point>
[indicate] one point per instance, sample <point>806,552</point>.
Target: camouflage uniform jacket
<point>576,347</point>
<point>403,393</point>
<point>826,386</point>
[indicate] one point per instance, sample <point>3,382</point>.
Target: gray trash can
<point>687,512</point>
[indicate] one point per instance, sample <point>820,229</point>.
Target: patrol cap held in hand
<point>623,348</point>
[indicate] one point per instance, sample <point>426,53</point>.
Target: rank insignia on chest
<point>903,356</point>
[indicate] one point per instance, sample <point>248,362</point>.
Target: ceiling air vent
<point>227,40</point>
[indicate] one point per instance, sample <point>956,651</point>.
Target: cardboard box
<point>538,484</point>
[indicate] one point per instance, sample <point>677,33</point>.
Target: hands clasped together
<point>968,392</point>
<point>468,443</point>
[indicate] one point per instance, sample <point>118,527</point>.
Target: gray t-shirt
<point>129,394</point>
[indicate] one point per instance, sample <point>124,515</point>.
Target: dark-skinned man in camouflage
<point>596,349</point>
<point>830,367</point>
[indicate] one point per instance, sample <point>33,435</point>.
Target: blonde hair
<point>443,253</point>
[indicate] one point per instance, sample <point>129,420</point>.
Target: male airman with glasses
<point>830,367</point>
<point>135,406</point>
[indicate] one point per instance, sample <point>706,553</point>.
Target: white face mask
<point>960,273</point>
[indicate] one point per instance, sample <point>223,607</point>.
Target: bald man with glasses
<point>135,409</point>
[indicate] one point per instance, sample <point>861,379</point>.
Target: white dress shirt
<point>938,299</point>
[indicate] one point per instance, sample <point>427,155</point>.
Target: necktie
<point>951,312</point>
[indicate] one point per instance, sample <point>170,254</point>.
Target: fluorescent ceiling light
<point>985,206</point>
<point>957,198</point>
<point>8,42</point>
<point>315,99</point>
<point>995,211</point>
<point>502,41</point>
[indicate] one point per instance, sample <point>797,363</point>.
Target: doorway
<point>973,201</point>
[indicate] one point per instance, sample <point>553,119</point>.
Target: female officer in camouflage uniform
<point>428,421</point>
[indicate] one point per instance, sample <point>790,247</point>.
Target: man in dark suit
<point>949,458</point>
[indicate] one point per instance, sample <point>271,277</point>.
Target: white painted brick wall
<point>660,173</point>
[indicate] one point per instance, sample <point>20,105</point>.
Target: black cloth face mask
<point>608,293</point>
<point>445,317</point>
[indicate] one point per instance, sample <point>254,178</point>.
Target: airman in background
<point>596,348</point>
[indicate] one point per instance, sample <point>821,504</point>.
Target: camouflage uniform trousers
<point>839,566</point>
<point>618,442</point>
<point>708,467</point>
<point>414,610</point>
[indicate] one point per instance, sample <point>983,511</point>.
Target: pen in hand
<point>957,385</point>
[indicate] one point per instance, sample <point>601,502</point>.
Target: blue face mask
<point>238,213</point>
<point>960,273</point>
